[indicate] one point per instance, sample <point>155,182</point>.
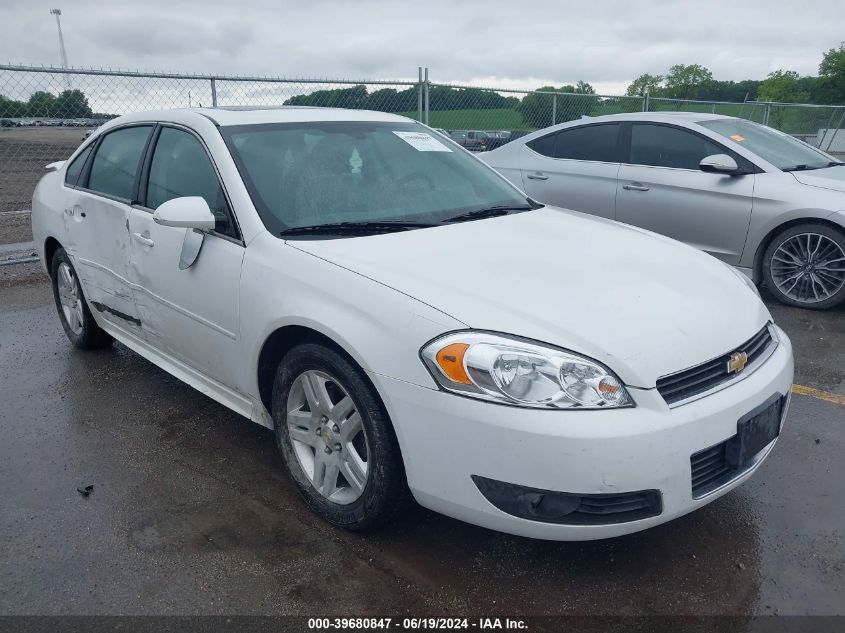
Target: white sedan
<point>412,325</point>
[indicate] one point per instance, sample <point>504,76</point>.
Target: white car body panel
<point>610,292</point>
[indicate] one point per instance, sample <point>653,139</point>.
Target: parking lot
<point>191,511</point>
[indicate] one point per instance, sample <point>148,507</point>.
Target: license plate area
<point>754,431</point>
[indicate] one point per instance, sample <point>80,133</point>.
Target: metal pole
<point>766,113</point>
<point>426,96</point>
<point>62,51</point>
<point>213,92</point>
<point>554,109</point>
<point>645,101</point>
<point>420,94</point>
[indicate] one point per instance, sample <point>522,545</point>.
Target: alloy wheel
<point>70,298</point>
<point>327,435</point>
<point>808,268</point>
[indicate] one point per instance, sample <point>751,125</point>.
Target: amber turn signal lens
<point>451,360</point>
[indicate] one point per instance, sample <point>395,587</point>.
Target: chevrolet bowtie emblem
<point>737,362</point>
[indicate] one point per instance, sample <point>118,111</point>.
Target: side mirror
<point>190,212</point>
<point>719,164</point>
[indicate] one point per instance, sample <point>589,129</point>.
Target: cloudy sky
<point>505,44</point>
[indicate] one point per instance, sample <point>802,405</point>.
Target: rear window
<point>590,142</point>
<point>116,161</point>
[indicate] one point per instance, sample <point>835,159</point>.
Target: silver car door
<point>662,189</point>
<point>575,168</point>
<point>188,312</point>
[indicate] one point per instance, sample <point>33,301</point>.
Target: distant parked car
<point>497,139</point>
<point>7,123</point>
<point>756,198</point>
<point>473,140</point>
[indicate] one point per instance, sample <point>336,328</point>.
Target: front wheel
<point>336,440</point>
<point>804,266</point>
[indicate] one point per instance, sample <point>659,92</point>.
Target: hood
<point>640,303</point>
<point>829,178</point>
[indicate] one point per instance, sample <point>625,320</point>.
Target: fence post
<point>425,106</point>
<point>645,101</point>
<point>766,113</point>
<point>822,137</point>
<point>213,92</point>
<point>419,94</point>
<point>554,109</point>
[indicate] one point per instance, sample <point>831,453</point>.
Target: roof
<point>661,116</point>
<point>253,115</point>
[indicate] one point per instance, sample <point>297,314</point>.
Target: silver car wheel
<point>808,268</point>
<point>70,298</point>
<point>327,436</point>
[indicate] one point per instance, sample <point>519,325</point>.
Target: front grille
<point>704,377</point>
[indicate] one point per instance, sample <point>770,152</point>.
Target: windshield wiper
<point>376,226</point>
<point>832,163</point>
<point>489,212</point>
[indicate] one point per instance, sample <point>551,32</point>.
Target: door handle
<point>537,176</point>
<point>635,186</point>
<point>143,239</point>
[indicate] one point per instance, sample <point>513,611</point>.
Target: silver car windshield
<point>326,173</point>
<point>781,150</point>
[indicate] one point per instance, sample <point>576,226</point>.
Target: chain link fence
<point>45,113</point>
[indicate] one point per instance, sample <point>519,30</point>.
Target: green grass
<point>474,119</point>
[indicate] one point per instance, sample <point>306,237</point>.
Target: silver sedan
<point>755,198</point>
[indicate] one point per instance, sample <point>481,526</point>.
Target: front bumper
<point>446,439</point>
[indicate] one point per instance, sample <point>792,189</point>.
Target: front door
<point>663,190</point>
<point>191,314</point>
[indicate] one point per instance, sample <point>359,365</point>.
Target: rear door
<point>97,208</point>
<point>190,314</point>
<point>575,168</point>
<point>662,189</point>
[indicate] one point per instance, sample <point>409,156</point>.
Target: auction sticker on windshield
<point>422,142</point>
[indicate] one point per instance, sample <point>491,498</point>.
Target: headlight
<point>512,371</point>
<point>745,279</point>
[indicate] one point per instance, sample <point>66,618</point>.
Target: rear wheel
<point>76,318</point>
<point>804,266</point>
<point>336,439</point>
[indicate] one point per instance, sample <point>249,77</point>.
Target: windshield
<point>781,150</point>
<point>315,173</point>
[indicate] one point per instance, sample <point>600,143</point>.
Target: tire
<point>77,320</point>
<point>353,485</point>
<point>814,252</point>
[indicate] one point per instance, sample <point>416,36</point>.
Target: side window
<point>544,145</point>
<point>664,146</point>
<point>181,167</point>
<point>116,162</point>
<point>588,142</point>
<point>74,170</point>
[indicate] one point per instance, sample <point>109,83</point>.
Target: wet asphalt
<point>191,511</point>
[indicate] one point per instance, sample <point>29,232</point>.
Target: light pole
<point>62,52</point>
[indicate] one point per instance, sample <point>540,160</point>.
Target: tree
<point>831,88</point>
<point>538,110</point>
<point>41,104</point>
<point>645,83</point>
<point>783,86</point>
<point>687,81</point>
<point>72,104</point>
